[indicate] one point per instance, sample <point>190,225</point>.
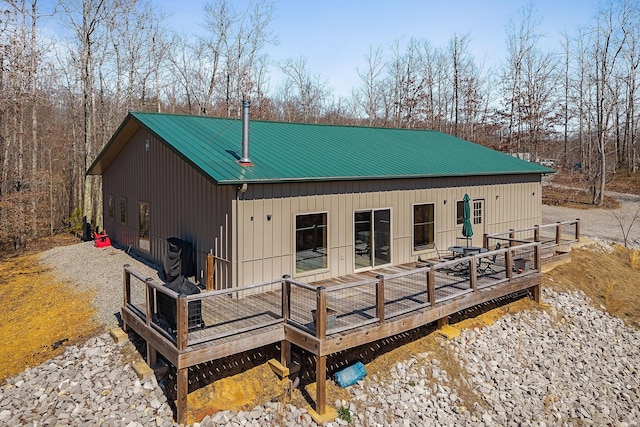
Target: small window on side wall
<point>311,242</point>
<point>110,207</point>
<point>459,212</point>
<point>423,226</point>
<point>123,210</point>
<point>143,226</point>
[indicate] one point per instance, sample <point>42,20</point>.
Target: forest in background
<point>62,98</point>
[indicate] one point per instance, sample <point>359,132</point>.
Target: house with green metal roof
<point>312,201</point>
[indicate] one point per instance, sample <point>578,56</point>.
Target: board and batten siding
<point>266,217</point>
<point>182,202</point>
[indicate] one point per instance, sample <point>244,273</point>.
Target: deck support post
<point>558,232</point>
<point>380,299</point>
<point>536,233</point>
<point>431,286</point>
<point>150,300</point>
<point>182,322</point>
<point>126,280</point>
<point>509,264</point>
<point>443,321</point>
<point>577,229</point>
<point>285,353</point>
<point>536,294</point>
<point>181,399</point>
<point>321,384</point>
<point>485,241</point>
<point>512,237</point>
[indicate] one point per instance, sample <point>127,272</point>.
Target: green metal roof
<point>308,152</point>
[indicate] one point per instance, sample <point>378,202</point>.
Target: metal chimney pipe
<point>245,160</point>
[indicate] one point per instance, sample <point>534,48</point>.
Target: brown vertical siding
<point>182,202</point>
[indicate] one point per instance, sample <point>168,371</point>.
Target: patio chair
<point>486,264</point>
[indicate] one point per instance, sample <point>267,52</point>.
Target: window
<point>143,225</point>
<point>311,242</point>
<point>123,210</point>
<point>372,238</point>
<point>459,212</point>
<point>110,207</point>
<point>477,211</point>
<point>423,226</point>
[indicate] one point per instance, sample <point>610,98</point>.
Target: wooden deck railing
<point>188,320</point>
<point>549,235</point>
<point>319,310</point>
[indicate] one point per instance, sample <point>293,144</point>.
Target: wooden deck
<point>351,310</point>
<point>367,307</point>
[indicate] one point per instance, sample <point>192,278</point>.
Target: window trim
<point>428,246</point>
<point>322,269</point>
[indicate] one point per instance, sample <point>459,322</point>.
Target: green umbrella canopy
<point>467,230</point>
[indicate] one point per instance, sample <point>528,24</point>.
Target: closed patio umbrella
<point>467,230</point>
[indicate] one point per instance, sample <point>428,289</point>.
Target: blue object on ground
<point>350,375</point>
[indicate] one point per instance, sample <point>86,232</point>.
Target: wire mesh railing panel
<point>451,280</point>
<point>137,294</point>
<point>547,235</point>
<point>491,268</point>
<point>524,235</point>
<point>302,302</point>
<point>405,293</point>
<point>350,307</point>
<point>568,232</point>
<point>524,259</point>
<point>213,315</point>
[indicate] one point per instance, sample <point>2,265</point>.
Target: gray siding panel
<point>268,246</point>
<point>182,202</point>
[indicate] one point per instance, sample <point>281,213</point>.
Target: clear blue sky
<point>335,35</point>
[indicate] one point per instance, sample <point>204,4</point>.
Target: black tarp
<point>178,259</point>
<point>167,305</point>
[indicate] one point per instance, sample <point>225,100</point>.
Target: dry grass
<point>609,279</point>
<point>40,315</point>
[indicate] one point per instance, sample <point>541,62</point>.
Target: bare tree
<point>609,36</point>
<point>303,93</point>
<point>370,93</point>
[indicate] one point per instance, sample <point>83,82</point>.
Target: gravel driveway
<point>602,223</point>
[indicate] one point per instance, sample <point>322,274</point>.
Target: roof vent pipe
<point>245,160</point>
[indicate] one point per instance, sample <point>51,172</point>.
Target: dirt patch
<point>40,315</point>
<point>621,182</point>
<point>574,198</point>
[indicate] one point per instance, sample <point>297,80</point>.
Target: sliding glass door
<point>372,238</point>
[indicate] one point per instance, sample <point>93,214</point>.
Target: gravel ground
<point>601,223</point>
<point>88,267</point>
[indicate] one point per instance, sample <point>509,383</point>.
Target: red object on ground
<point>101,240</point>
